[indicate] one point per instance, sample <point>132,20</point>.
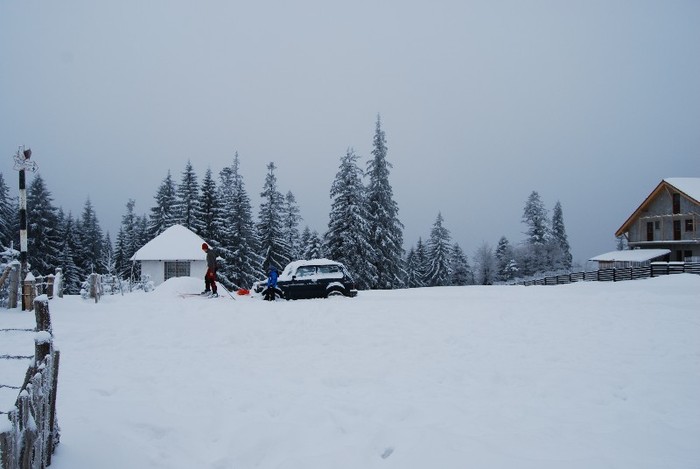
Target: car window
<point>328,269</point>
<point>306,271</point>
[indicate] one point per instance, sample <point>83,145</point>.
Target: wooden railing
<point>655,269</point>
<point>30,437</point>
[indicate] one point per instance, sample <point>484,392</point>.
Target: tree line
<point>545,249</point>
<point>364,231</point>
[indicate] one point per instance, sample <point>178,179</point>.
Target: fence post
<point>28,292</point>
<point>14,286</point>
<point>95,287</point>
<point>5,274</point>
<point>50,280</point>
<point>53,427</point>
<point>58,282</point>
<point>43,348</point>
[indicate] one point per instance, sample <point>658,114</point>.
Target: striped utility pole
<point>22,163</point>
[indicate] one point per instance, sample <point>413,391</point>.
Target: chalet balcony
<point>681,228</point>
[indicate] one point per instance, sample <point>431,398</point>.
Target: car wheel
<point>334,292</point>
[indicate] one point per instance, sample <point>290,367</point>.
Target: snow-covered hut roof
<point>631,255</point>
<point>176,243</point>
<point>689,187</point>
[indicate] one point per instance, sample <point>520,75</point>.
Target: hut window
<point>177,269</point>
<point>676,204</point>
<point>689,224</point>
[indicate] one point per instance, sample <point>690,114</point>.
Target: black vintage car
<point>315,278</point>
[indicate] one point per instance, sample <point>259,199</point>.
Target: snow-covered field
<point>594,375</point>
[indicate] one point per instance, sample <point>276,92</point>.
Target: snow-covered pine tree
<point>560,240</point>
<point>485,265</point>
<point>304,242</point>
<point>108,261</point>
<point>506,266</point>
<point>239,240</point>
<point>347,238</point>
<point>128,240</point>
<point>89,235</point>
<point>73,275</point>
<point>291,220</point>
<point>310,244</point>
<point>413,277</point>
<point>621,243</point>
<point>142,235</point>
<point>438,255</point>
<point>163,214</point>
<point>43,231</point>
<point>210,209</point>
<point>385,229</point>
<point>421,263</point>
<point>187,200</point>
<point>314,247</point>
<point>460,270</point>
<point>122,264</point>
<point>273,244</point>
<point>7,215</point>
<point>535,218</point>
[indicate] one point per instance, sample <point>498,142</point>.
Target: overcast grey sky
<point>590,103</point>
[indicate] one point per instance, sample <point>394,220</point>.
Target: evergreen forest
<point>364,231</point>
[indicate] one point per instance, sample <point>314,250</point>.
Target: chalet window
<point>177,269</point>
<point>688,254</point>
<point>650,231</point>
<point>676,230</point>
<point>689,225</point>
<point>676,204</point>
<point>657,225</point>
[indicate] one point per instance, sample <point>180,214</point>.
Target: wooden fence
<point>31,287</point>
<point>655,269</point>
<point>32,434</point>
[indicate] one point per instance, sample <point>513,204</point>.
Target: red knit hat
<point>205,246</point>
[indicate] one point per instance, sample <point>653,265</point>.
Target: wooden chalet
<point>667,219</point>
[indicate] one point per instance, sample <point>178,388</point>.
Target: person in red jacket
<point>210,276</point>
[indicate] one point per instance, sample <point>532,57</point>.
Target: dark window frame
<point>174,269</point>
<point>677,230</point>
<point>676,203</point>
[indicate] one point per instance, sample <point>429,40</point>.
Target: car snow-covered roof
<point>294,265</point>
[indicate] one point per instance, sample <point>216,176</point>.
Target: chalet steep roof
<point>689,187</point>
<point>176,243</point>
